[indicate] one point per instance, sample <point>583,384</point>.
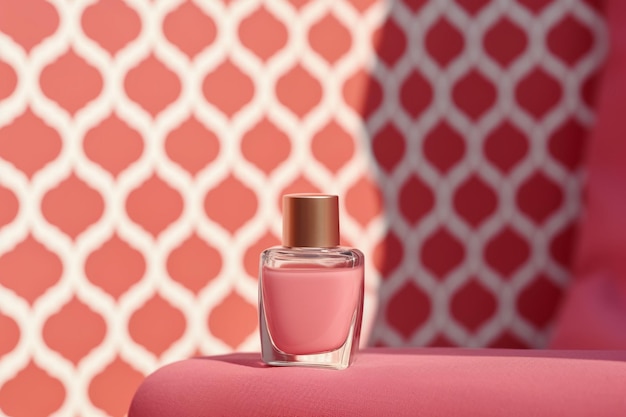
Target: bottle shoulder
<point>281,256</point>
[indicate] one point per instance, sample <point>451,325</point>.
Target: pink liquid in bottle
<point>310,310</point>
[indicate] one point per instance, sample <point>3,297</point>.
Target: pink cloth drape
<point>387,382</point>
<point>594,313</point>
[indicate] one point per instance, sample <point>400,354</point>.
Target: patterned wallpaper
<point>145,145</point>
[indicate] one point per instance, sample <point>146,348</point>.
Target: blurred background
<point>145,147</point>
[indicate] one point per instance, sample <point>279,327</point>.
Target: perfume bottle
<point>310,289</point>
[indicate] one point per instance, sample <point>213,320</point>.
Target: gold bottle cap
<point>310,220</point>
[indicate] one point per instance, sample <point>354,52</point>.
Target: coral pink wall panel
<point>144,147</point>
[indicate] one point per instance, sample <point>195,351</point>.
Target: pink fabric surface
<point>594,314</point>
<point>386,382</point>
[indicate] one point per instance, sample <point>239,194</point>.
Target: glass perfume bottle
<point>310,289</point>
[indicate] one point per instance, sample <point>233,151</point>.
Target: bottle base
<point>339,358</point>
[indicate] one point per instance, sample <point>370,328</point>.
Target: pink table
<point>386,382</point>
